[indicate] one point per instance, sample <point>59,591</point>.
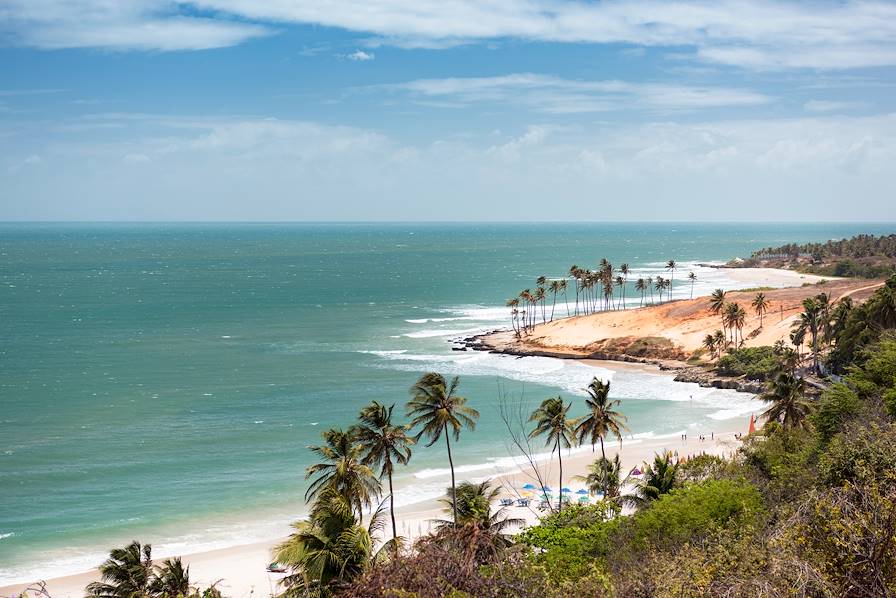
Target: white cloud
<point>832,106</point>
<point>126,25</point>
<point>758,34</point>
<point>361,56</point>
<point>551,94</point>
<point>266,169</point>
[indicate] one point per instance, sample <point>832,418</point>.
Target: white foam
<point>443,332</point>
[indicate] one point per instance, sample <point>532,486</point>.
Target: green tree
<point>342,470</point>
<point>604,475</point>
<point>552,422</point>
<point>786,393</point>
<point>658,478</point>
<point>717,301</point>
<point>602,419</point>
<point>331,546</point>
<point>625,272</point>
<point>671,266</point>
<point>760,305</point>
<point>474,510</point>
<point>709,343</point>
<point>383,444</point>
<point>437,409</point>
<point>127,573</point>
<point>172,579</point>
<point>693,278</point>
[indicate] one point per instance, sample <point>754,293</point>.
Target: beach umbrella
<point>565,489</point>
<point>636,471</point>
<point>581,491</point>
<point>546,489</point>
<point>528,486</point>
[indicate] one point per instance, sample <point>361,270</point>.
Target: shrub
<point>756,363</point>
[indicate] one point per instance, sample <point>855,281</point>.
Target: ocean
<point>161,382</point>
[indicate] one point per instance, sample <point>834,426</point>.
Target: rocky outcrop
<point>709,379</point>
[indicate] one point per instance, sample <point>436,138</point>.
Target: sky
<point>443,110</point>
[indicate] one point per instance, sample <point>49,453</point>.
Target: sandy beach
<point>241,570</point>
<point>675,329</point>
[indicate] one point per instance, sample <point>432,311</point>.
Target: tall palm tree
<point>602,418</point>
<point>620,283</point>
<point>810,321</point>
<point>658,479</point>
<point>551,421</point>
<point>127,573</point>
<point>693,278</point>
<point>438,410</point>
<point>604,475</point>
<point>541,297</point>
<point>625,271</point>
<point>719,337</point>
<point>563,287</point>
<point>740,318</point>
<point>641,286</point>
<point>650,287</point>
<point>576,274</point>
<point>383,444</point>
<point>717,301</point>
<point>729,319</point>
<point>670,266</point>
<point>342,470</point>
<point>331,546</point>
<point>660,284</point>
<point>172,579</point>
<point>789,405</point>
<point>760,305</point>
<point>474,510</point>
<point>554,287</point>
<point>514,303</point>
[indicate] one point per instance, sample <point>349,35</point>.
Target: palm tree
<point>383,444</point>
<point>717,301</point>
<point>625,271</point>
<point>660,284</point>
<point>514,303</point>
<point>658,479</point>
<point>809,321</point>
<point>563,287</point>
<point>786,393</point>
<point>729,318</point>
<point>342,470</point>
<point>540,297</point>
<point>740,318</point>
<point>551,421</point>
<point>650,287</point>
<point>331,546</point>
<point>576,273</point>
<point>709,343</point>
<point>604,476</point>
<point>554,287</point>
<point>172,579</point>
<point>127,573</point>
<point>474,510</point>
<point>620,282</point>
<point>602,419</point>
<point>641,286</point>
<point>671,265</point>
<point>438,410</point>
<point>719,337</point>
<point>760,305</point>
<point>693,278</point>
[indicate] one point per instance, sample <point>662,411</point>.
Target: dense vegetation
<point>865,256</point>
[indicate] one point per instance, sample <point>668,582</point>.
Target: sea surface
<point>161,381</point>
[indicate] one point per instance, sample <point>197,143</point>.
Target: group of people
<point>712,436</point>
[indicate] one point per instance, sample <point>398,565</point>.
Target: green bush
<point>836,406</point>
<point>695,511</point>
<point>756,363</point>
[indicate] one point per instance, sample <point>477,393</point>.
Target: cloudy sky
<point>447,110</point>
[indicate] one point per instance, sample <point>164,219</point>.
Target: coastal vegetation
<point>865,256</point>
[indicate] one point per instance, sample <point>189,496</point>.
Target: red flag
<point>752,425</point>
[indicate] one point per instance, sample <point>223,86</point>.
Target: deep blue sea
<point>161,381</point>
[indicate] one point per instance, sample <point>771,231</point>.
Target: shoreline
<point>244,563</point>
<point>242,566</point>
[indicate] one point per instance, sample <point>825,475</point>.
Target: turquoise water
<point>161,382</point>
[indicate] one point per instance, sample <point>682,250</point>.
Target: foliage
<point>755,363</point>
<point>863,327</point>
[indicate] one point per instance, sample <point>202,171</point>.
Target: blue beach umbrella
<point>581,491</point>
<point>528,486</point>
<point>565,489</point>
<point>546,489</point>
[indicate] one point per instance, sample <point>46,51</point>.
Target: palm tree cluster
<point>129,572</point>
<point>822,321</point>
<point>332,545</point>
<point>595,290</point>
<point>600,421</point>
<point>734,318</point>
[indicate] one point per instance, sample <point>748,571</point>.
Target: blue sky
<point>446,110</point>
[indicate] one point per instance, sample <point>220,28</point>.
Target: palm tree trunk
<point>453,487</point>
<point>560,458</point>
<point>392,511</point>
<point>604,457</point>
<point>553,305</point>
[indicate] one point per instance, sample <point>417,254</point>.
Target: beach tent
<point>752,424</point>
<point>636,472</point>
